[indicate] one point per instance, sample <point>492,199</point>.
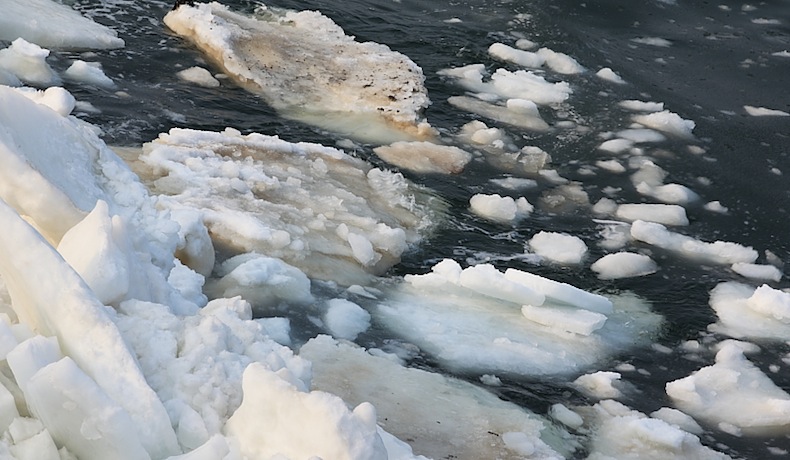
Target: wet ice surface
<point>695,153</point>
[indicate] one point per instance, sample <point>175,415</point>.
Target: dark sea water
<point>719,60</point>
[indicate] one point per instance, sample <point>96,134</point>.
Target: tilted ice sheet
<point>306,67</point>
<point>52,24</point>
<point>329,214</point>
<point>405,397</point>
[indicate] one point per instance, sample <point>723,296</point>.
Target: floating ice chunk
<point>558,247</point>
<point>783,53</point>
<point>263,281</point>
<point>771,303</point>
<point>565,319</point>
<point>641,106</point>
<point>520,84</point>
<point>518,112</point>
<point>561,292</point>
<point>424,157</point>
<point>54,97</point>
<point>54,25</point>
<point>652,41</point>
<point>616,145</point>
<point>567,417</point>
<point>298,202</point>
<point>612,166</point>
<point>407,407</point>
<point>466,331</point>
<point>742,314</point>
<point>764,112</point>
<point>667,122</point>
<point>487,280</point>
<point>516,56</point>
<point>93,249</point>
<point>27,62</point>
<point>641,135</point>
<point>80,415</point>
<point>678,419</point>
<point>609,75</point>
<point>307,68</point>
<point>560,62</point>
<point>733,391</point>
<point>718,252</point>
<point>623,265</point>
<point>629,435</point>
<point>515,183</point>
<point>345,319</point>
<point>668,193</point>
<point>716,206</point>
<point>90,73</point>
<point>667,214</point>
<point>500,208</point>
<point>275,418</point>
<point>199,76</point>
<point>757,271</point>
<point>601,384</point>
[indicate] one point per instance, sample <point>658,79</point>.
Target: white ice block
<point>561,292</point>
<point>487,280</point>
<point>80,415</point>
<point>582,322</point>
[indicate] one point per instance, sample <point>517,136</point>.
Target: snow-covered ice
<point>748,312</point>
<point>558,247</point>
<point>500,208</point>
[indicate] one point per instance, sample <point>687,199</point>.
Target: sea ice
<point>521,113</point>
<point>558,247</point>
<point>641,106</point>
<point>626,434</point>
<point>478,331</point>
<point>53,25</point>
<point>623,265</point>
<point>666,214</point>
<point>306,67</point>
<point>718,252</point>
<point>424,157</point>
<point>733,391</point>
<point>743,311</point>
<point>521,84</point>
<point>89,73</point>
<point>199,76</point>
<point>757,271</point>
<point>764,112</point>
<point>329,214</point>
<point>609,75</point>
<point>403,396</point>
<point>516,56</point>
<point>345,319</point>
<point>500,208</point>
<point>667,122</point>
<point>600,384</point>
<point>27,62</point>
<point>560,62</point>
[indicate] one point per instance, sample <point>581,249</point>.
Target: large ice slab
<point>746,312</point>
<point>718,252</point>
<point>733,392</point>
<point>477,327</point>
<point>329,214</point>
<point>53,25</point>
<point>305,66</point>
<point>405,398</point>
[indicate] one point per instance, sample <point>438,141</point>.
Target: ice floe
<point>364,90</point>
<point>733,392</point>
<point>472,320</point>
<point>53,24</point>
<point>623,265</point>
<point>317,208</point>
<point>746,312</point>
